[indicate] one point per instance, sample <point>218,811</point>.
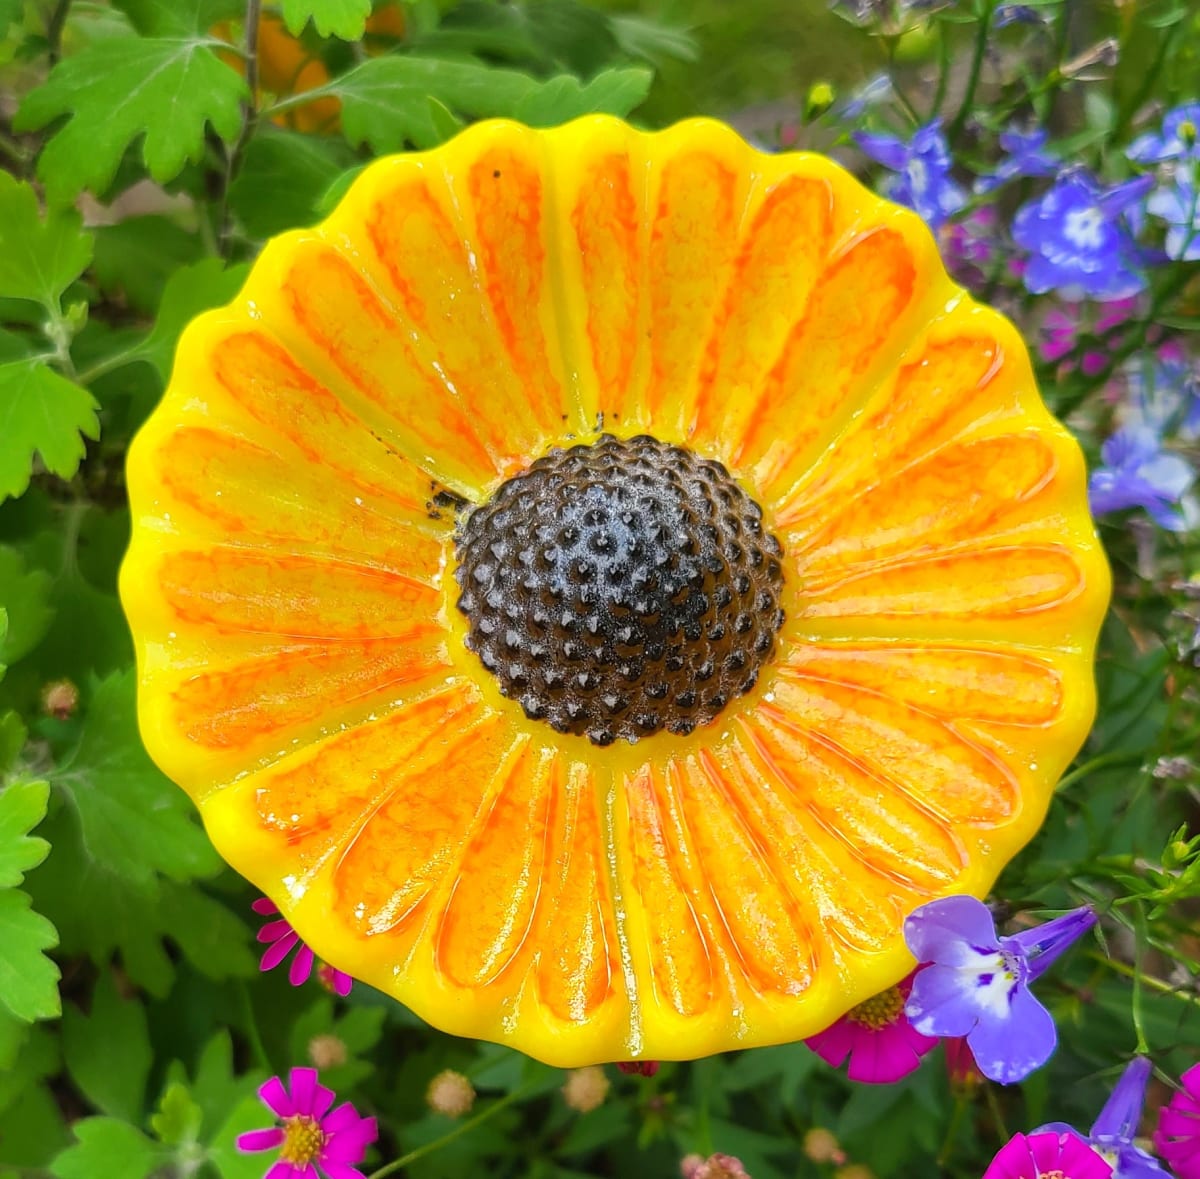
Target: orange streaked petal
<point>290,688</point>
<point>579,963</point>
<point>1000,583</point>
<point>415,838</point>
<point>407,233</point>
<point>775,947</point>
<point>491,906</point>
<point>948,386</point>
<point>862,310</point>
<point>684,975</point>
<point>1006,687</point>
<point>691,249</point>
<point>777,268</point>
<point>508,235</point>
<point>960,493</point>
<point>605,251</point>
<point>224,486</point>
<point>365,349</point>
<point>233,590</point>
<point>907,753</point>
<point>262,380</point>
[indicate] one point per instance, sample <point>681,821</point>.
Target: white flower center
<point>993,976</point>
<point>1082,227</point>
<point>918,175</point>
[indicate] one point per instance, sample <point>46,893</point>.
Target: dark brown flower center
<point>620,588</point>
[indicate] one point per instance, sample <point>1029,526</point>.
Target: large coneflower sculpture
<point>599,583</point>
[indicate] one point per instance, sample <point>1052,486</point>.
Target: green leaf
<point>31,1129</point>
<point>134,820</point>
<point>614,92</point>
<point>230,1162</point>
<point>332,18</point>
<point>39,258</point>
<point>385,101</point>
<point>12,738</point>
<point>98,912</point>
<point>189,291</point>
<point>10,13</point>
<point>107,1148</point>
<point>179,18</point>
<point>28,979</point>
<point>136,257</point>
<point>22,808</point>
<point>177,1122</point>
<point>167,89</point>
<point>24,597</point>
<point>41,413</point>
<point>282,178</point>
<point>114,1082</point>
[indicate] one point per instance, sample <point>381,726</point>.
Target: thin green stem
<point>944,65</point>
<point>1149,980</point>
<point>54,30</point>
<point>233,158</point>
<point>295,100</point>
<point>458,1131</point>
<point>109,363</point>
<point>977,58</point>
<point>1143,1048</point>
<point>257,1048</point>
<point>960,1108</point>
<point>1097,763</point>
<point>997,1113</point>
<point>12,148</point>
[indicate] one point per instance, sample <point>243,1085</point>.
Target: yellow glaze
<point>303,674</point>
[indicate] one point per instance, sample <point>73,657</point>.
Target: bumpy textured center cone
<point>620,588</point>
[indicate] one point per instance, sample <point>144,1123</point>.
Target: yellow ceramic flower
<point>598,583</point>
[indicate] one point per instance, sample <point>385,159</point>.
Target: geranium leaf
<point>167,89</point>
<point>134,820</point>
<point>41,413</point>
<point>190,290</point>
<point>24,597</point>
<point>614,92</point>
<point>136,257</point>
<point>331,18</point>
<point>39,258</point>
<point>107,1147</point>
<point>22,808</point>
<point>114,1082</point>
<point>28,979</point>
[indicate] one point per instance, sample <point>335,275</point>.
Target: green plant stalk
<point>977,57</point>
<point>458,1131</point>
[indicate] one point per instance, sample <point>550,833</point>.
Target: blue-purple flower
<point>924,182</point>
<point>1014,14</point>
<point>1177,139</point>
<point>1164,393</point>
<point>1178,204</point>
<point>976,983</point>
<point>1138,473</point>
<point>1113,1132</point>
<point>1027,156</point>
<point>1079,241</point>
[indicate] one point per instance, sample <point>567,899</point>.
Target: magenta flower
<point>877,1036</point>
<point>976,984</point>
<point>309,1136</point>
<point>1035,1156</point>
<point>1177,1138</point>
<point>1065,323</point>
<point>282,937</point>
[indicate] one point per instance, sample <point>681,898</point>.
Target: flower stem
<point>981,40</point>
<point>459,1130</point>
<point>233,157</point>
<point>956,1117</point>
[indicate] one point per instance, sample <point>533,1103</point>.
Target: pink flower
<point>282,937</point>
<point>1177,1138</point>
<point>882,1045</point>
<point>1064,323</point>
<point>638,1068</point>
<point>309,1136</point>
<point>1034,1156</point>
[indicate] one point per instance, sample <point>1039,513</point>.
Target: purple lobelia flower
<point>1079,243</point>
<point>1027,156</point>
<point>1038,1156</point>
<point>1164,393</point>
<point>1177,139</point>
<point>281,938</point>
<point>1178,204</point>
<point>924,182</point>
<point>1113,1132</point>
<point>976,983</point>
<point>1017,14</point>
<point>1138,473</point>
<point>312,1140</point>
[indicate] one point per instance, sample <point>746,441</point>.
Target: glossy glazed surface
<point>303,674</point>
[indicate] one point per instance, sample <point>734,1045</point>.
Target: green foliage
<point>165,86</point>
<point>331,18</point>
